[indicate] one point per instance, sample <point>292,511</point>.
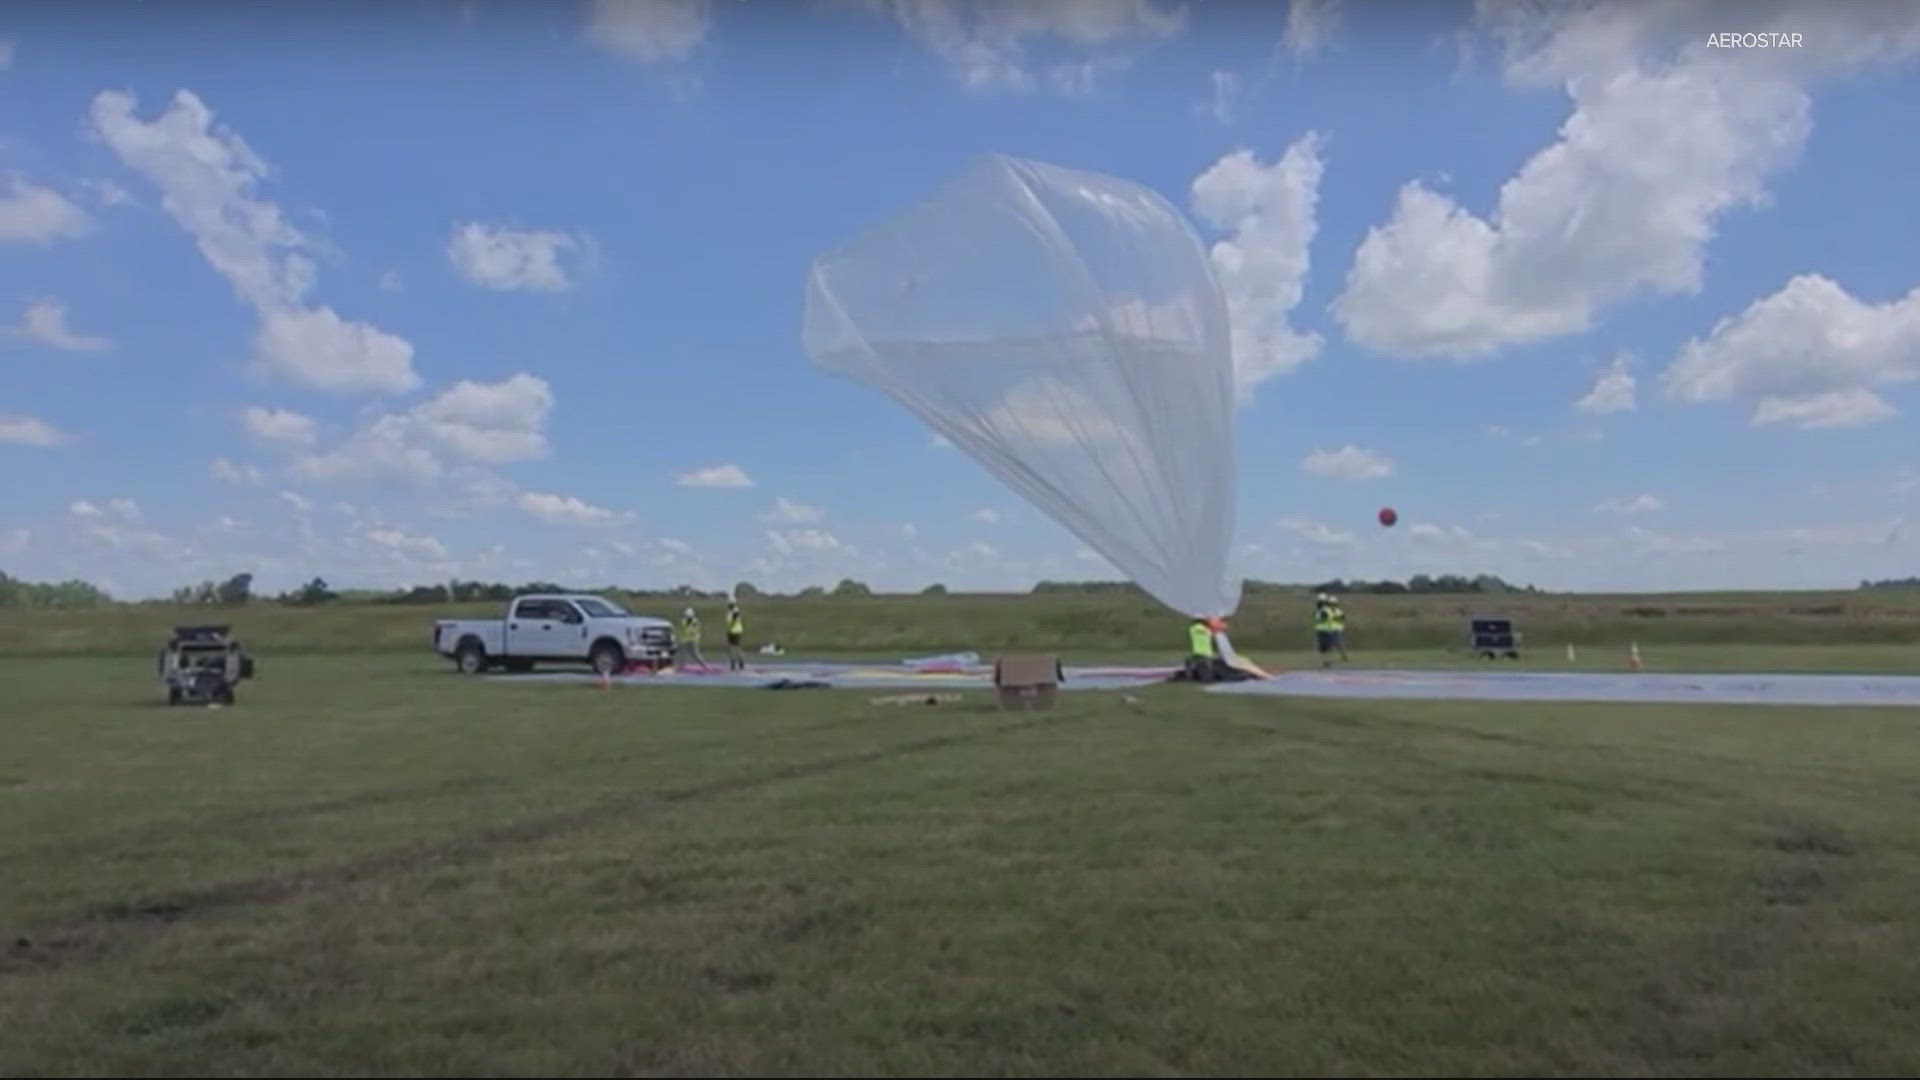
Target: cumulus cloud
<point>29,431</point>
<point>567,510</point>
<point>496,257</point>
<point>299,502</point>
<point>1612,392</point>
<point>716,476</point>
<point>45,323</point>
<point>1310,25</point>
<point>1348,463</point>
<point>1017,45</point>
<point>987,516</point>
<point>1316,532</point>
<point>805,541</point>
<point>1268,212</point>
<point>223,469</point>
<point>409,544</point>
<point>209,180</point>
<point>471,422</point>
<point>31,214</point>
<point>786,511</point>
<point>1667,136</point>
<point>1808,356</point>
<point>280,425</point>
<point>649,30</point>
<point>317,347</point>
<point>1639,504</point>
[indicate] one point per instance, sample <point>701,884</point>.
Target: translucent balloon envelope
<point>1066,330</point>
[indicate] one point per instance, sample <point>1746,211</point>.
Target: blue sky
<point>390,293</point>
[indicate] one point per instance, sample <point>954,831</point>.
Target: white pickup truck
<point>556,628</point>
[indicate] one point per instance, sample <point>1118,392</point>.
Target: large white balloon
<point>1066,330</point>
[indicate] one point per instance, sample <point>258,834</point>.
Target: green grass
<point>896,625</point>
<point>374,866</point>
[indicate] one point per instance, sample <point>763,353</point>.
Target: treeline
<point>1892,583</point>
<point>1419,583</point>
<point>58,595</point>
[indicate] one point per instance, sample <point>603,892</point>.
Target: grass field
<point>374,866</point>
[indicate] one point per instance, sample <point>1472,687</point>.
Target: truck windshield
<point>601,609</point>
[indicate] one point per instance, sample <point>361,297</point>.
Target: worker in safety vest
<point>1201,650</point>
<point>1329,628</point>
<point>736,629</point>
<point>690,636</point>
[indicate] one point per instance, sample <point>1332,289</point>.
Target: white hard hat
<point>689,613</point>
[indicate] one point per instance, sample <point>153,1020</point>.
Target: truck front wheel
<point>607,659</point>
<point>470,658</point>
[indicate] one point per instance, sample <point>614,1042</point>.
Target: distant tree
<point>313,592</point>
<point>935,589</point>
<point>237,589</point>
<point>812,592</point>
<point>850,587</point>
<point>745,591</point>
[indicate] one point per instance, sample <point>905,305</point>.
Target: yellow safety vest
<point>690,629</point>
<point>1324,619</point>
<point>1337,619</point>
<point>1200,640</point>
<point>735,625</point>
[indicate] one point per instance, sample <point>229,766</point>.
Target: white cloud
<point>1639,504</point>
<point>940,442</point>
<point>6,53</point>
<point>1838,409</point>
<point>480,423</point>
<point>409,544</point>
<point>1226,94</point>
<point>280,425</point>
<point>390,281</point>
<point>1316,532</point>
<point>1348,463</point>
<point>31,214</point>
<point>317,347</point>
<point>649,30</point>
<point>567,510</point>
<point>987,516</point>
<point>1808,355</point>
<point>717,476</point>
<point>495,257</point>
<point>490,423</point>
<point>236,474</point>
<point>388,446</point>
<point>125,508</point>
<point>299,502</point>
<point>678,547</point>
<point>786,511</point>
<point>29,431</point>
<point>208,179</point>
<point>1499,431</point>
<point>805,541</point>
<point>908,529</point>
<point>1269,213</point>
<point>1016,44</point>
<point>81,508</point>
<point>1613,392</point>
<point>1310,25</point>
<point>1662,143</point>
<point>45,323</point>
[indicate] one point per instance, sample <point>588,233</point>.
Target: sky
<point>1596,296</point>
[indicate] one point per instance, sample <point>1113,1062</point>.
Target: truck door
<point>543,629</point>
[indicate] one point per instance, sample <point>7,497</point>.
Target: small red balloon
<point>1388,517</point>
